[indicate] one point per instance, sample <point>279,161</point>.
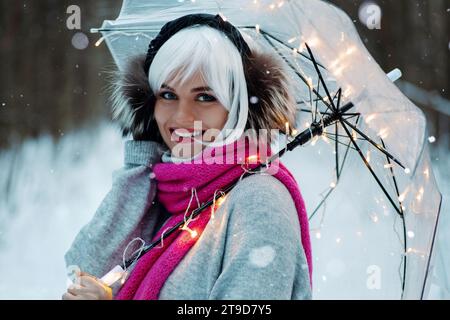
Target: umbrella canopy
<point>367,180</point>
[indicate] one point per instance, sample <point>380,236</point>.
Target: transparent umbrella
<point>364,166</point>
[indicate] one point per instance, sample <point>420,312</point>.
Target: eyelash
<point>212,99</point>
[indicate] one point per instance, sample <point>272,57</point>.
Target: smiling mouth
<point>185,135</point>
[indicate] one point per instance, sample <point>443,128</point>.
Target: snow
<point>262,256</point>
<point>50,190</point>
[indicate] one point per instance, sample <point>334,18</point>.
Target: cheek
<point>161,114</point>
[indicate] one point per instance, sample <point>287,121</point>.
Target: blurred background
<point>58,148</point>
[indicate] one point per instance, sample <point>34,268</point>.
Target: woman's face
<point>178,107</point>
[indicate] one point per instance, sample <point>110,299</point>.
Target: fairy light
<point>410,234</point>
<point>383,133</point>
<point>350,50</point>
<point>313,42</point>
<point>333,185</point>
<point>272,6</point>
<point>347,92</point>
<point>354,135</point>
<point>407,170</point>
<point>402,196</point>
<point>310,82</point>
<point>374,217</point>
<point>253,158</point>
<point>325,138</point>
<point>301,47</point>
<point>318,235</point>
<point>370,118</point>
<point>258,28</point>
<point>314,141</point>
<point>388,165</point>
<point>419,195</point>
<point>294,132</point>
<point>368,156</point>
<point>426,173</point>
<point>280,4</point>
<point>292,39</point>
<point>338,240</point>
<point>307,124</point>
<point>193,233</point>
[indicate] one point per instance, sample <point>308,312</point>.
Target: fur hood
<point>133,100</point>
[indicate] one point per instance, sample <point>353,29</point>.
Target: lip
<point>185,139</point>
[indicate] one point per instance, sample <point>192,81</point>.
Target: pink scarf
<point>174,183</point>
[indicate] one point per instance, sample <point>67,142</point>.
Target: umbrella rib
<point>287,46</point>
<point>320,77</point>
<point>402,215</point>
<point>320,204</point>
<point>370,168</point>
<point>376,145</point>
<point>351,115</point>
<point>298,74</point>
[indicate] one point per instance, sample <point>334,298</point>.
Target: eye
<point>206,98</point>
<point>167,95</point>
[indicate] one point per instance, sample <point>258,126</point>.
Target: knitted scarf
<point>175,185</point>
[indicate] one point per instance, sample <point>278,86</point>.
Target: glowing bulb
<point>388,165</point>
<point>426,173</point>
<point>338,240</point>
<point>294,132</point>
<point>310,82</point>
<point>410,234</point>
<point>307,124</point>
<point>333,185</point>
<point>193,233</point>
<point>257,28</point>
<point>383,133</point>
<point>431,139</point>
<point>354,135</point>
<point>370,118</point>
<point>292,39</point>
<point>318,235</point>
<point>351,50</point>
<point>280,4</point>
<point>220,200</point>
<point>253,158</point>
<point>407,170</point>
<point>325,138</point>
<point>374,218</point>
<point>272,6</point>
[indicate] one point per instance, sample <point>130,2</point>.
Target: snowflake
<point>261,257</point>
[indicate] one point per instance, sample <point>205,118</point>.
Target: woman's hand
<point>88,287</point>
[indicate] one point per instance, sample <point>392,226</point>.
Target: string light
<point>257,28</point>
<point>193,233</point>
<point>370,118</point>
<point>383,133</point>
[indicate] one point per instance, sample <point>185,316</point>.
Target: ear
<point>133,102</point>
<point>268,85</point>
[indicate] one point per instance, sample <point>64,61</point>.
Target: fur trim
<point>268,82</point>
<point>270,101</point>
<point>133,102</point>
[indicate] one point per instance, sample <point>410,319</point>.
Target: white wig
<point>208,51</point>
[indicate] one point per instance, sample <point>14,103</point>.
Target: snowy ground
<point>50,190</point>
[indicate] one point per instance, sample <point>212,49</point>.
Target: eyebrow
<point>192,90</point>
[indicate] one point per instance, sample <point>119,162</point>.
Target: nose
<point>184,113</point>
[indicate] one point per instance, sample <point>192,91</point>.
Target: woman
<point>255,244</point>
